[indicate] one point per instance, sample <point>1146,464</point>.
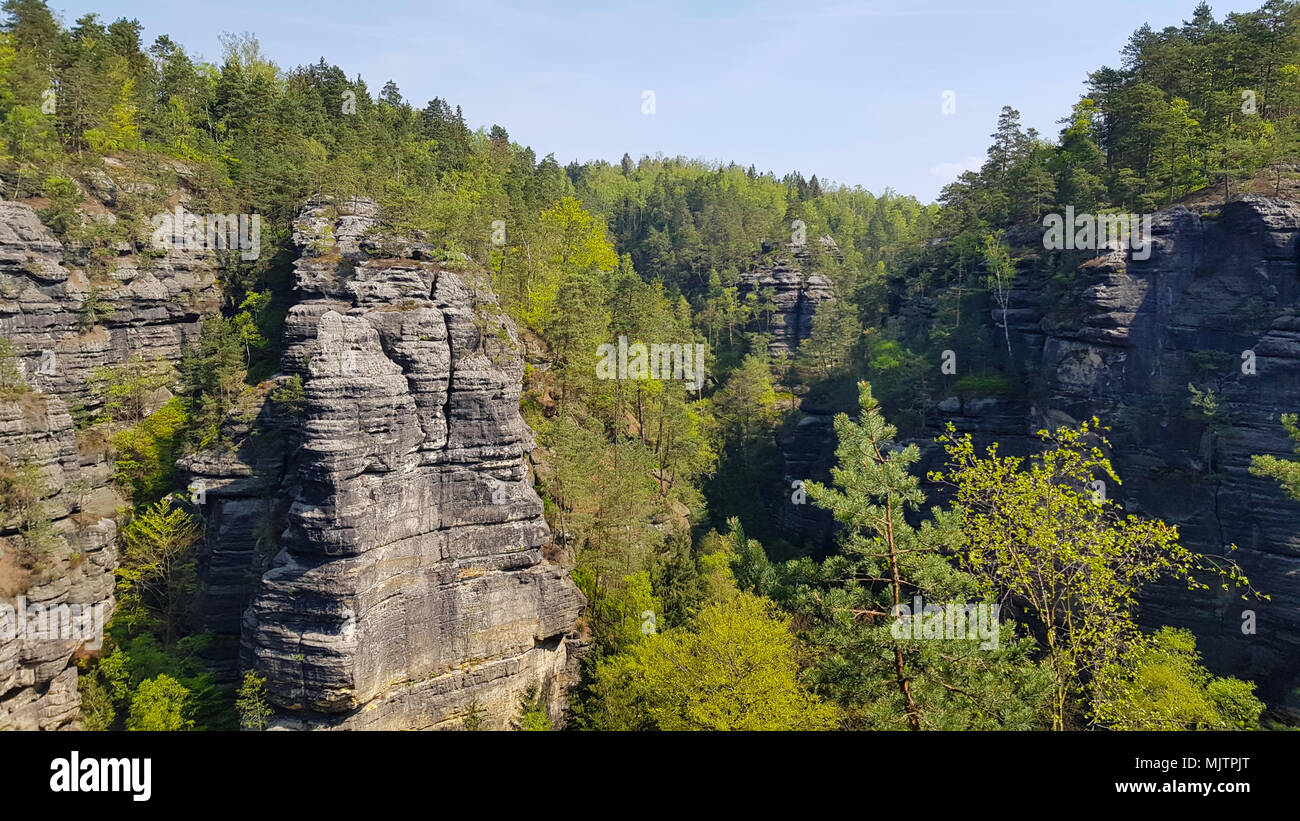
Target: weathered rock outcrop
<point>55,587</point>
<point>147,306</point>
<point>1216,305</point>
<point>408,577</point>
<point>793,291</point>
<point>63,326</point>
<point>411,583</point>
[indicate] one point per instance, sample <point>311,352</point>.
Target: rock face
<point>376,549</point>
<point>65,576</point>
<point>1216,305</point>
<point>794,293</point>
<point>63,326</point>
<point>244,495</point>
<point>151,305</point>
<point>411,583</point>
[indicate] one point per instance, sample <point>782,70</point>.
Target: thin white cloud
<point>948,171</point>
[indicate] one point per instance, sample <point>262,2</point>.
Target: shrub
<point>12,385</point>
<point>160,704</point>
<point>984,383</point>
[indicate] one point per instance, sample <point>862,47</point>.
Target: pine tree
<point>851,604</point>
<point>872,491</point>
<point>1285,471</point>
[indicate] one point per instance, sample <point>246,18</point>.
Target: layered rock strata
<point>1216,306</point>
<point>411,589</point>
<point>791,290</point>
<point>63,325</point>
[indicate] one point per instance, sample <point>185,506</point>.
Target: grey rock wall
<point>412,582</point>
<point>38,687</point>
<point>796,289</point>
<point>157,303</point>
<point>1216,285</point>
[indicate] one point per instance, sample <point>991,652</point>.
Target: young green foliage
<point>1042,534</point>
<point>849,605</point>
<point>734,668</point>
<point>1161,685</point>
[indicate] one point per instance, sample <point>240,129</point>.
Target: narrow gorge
<point>1216,306</point>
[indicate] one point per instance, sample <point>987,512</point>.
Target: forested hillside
<point>703,611</point>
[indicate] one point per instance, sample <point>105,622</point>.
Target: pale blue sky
<point>848,91</point>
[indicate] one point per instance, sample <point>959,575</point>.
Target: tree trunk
<point>900,670</point>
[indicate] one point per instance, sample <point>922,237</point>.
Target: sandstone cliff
<point>792,290</point>
<point>145,305</point>
<point>1216,286</point>
<point>410,582</point>
<point>38,687</point>
<point>1125,346</point>
<point>376,549</point>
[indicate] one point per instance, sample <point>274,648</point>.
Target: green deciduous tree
<point>160,704</point>
<point>734,668</point>
<point>1039,533</point>
<point>1001,272</point>
<point>146,453</point>
<point>125,390</point>
<point>212,375</point>
<point>251,703</point>
<point>157,580</point>
<point>1161,685</point>
<point>835,331</point>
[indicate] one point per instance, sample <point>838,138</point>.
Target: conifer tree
<point>855,600</point>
